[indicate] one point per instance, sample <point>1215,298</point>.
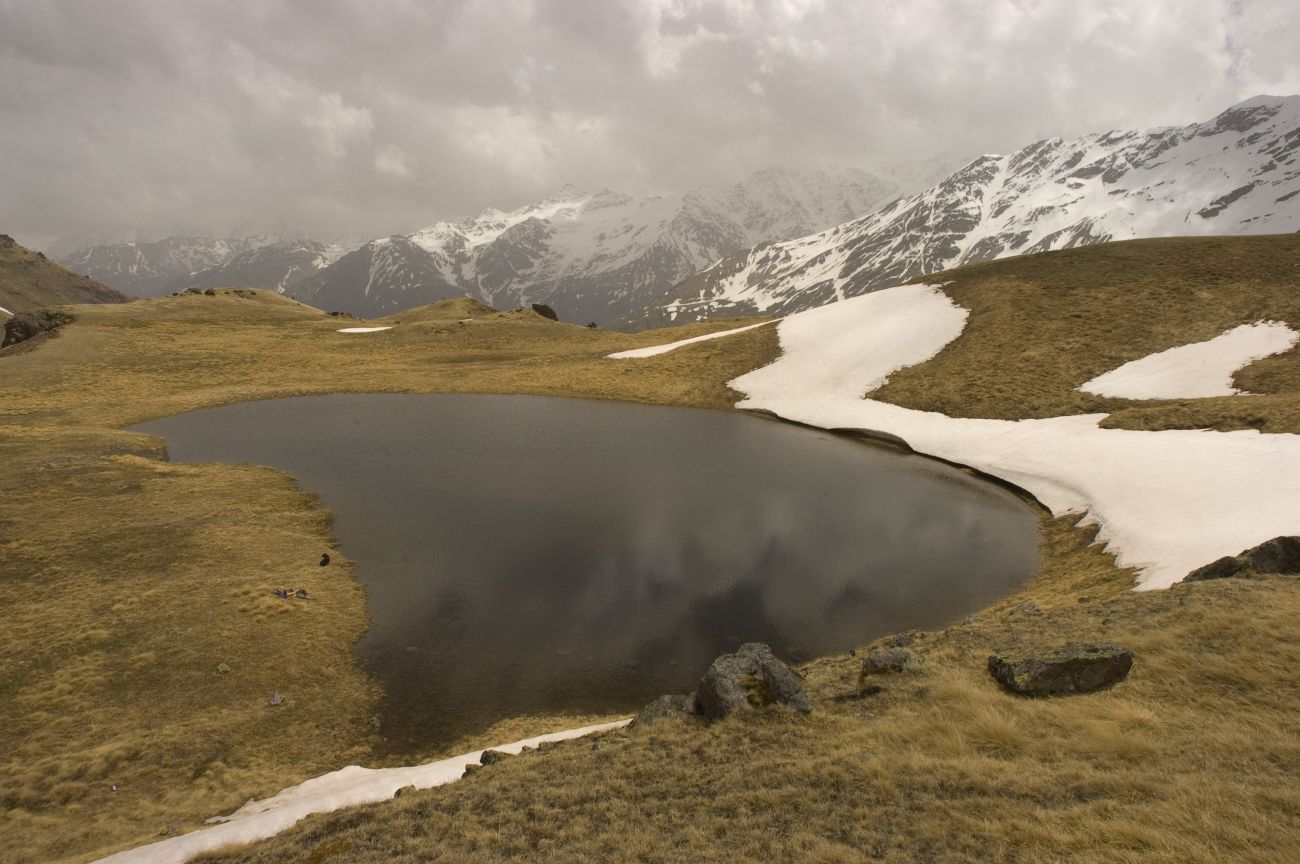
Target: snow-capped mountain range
<point>159,267</point>
<point>1238,173</point>
<point>591,256</point>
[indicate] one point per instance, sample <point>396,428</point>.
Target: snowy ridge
<point>1166,502</point>
<point>591,256</point>
<point>1236,174</point>
<point>160,267</point>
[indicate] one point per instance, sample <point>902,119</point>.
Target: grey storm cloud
<point>348,118</point>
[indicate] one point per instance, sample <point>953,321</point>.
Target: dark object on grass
<point>25,325</point>
<point>665,706</point>
<point>282,593</point>
<point>491,757</point>
<point>545,311</point>
<point>1279,555</point>
<point>751,679</point>
<point>324,559</point>
<point>591,325</point>
<point>887,661</point>
<point>1075,668</point>
<point>301,593</point>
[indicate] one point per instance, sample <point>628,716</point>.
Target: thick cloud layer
<point>347,118</point>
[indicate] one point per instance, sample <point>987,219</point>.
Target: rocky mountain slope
<point>161,267</point>
<point>1238,173</point>
<point>592,257</point>
<point>28,280</point>
<point>277,266</point>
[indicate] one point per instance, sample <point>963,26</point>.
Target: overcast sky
<point>356,118</point>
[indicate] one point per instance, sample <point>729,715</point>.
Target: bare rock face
<point>751,679</point>
<point>1279,555</point>
<point>25,325</point>
<point>1075,668</point>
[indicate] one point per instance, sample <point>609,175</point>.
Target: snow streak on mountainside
<point>161,267</point>
<point>592,257</point>
<point>1236,174</point>
<point>277,266</point>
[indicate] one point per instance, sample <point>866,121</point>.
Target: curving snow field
<point>364,329</point>
<point>1166,502</point>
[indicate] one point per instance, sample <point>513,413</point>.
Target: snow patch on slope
<point>1197,370</point>
<point>1166,502</point>
<point>656,350</point>
<point>347,787</point>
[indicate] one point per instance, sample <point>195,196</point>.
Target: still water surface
<point>528,554</point>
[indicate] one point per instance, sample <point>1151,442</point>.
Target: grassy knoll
<point>127,581</point>
<point>29,280</point>
<point>1042,325</point>
<point>1193,759</point>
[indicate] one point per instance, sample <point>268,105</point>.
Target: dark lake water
<point>528,554</point>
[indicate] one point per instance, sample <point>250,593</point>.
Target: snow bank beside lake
<point>363,329</point>
<point>1195,370</point>
<point>655,350</point>
<point>1166,502</point>
<point>347,787</point>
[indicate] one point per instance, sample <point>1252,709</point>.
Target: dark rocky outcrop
<point>1075,668</point>
<point>26,325</point>
<point>1279,555</point>
<point>751,679</point>
<point>545,311</point>
<point>491,757</point>
<point>665,706</point>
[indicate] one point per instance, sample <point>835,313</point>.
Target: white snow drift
<point>346,787</point>
<point>1199,369</point>
<point>655,350</point>
<point>363,329</point>
<point>1166,502</point>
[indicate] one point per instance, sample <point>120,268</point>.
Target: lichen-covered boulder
<point>664,706</point>
<point>545,311</point>
<point>1279,555</point>
<point>751,679</point>
<point>1075,668</point>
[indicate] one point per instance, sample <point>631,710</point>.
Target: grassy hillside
<point>28,280</point>
<point>1042,325</point>
<point>109,668</point>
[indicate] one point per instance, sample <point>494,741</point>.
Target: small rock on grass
<point>1074,668</point>
<point>665,706</point>
<point>887,661</point>
<point>1281,555</point>
<point>491,757</point>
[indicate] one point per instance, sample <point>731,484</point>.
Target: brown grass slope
<point>126,581</point>
<point>1041,325</point>
<point>28,280</point>
<point>1195,758</point>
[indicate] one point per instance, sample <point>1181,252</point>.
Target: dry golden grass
<point>1192,760</point>
<point>127,580</point>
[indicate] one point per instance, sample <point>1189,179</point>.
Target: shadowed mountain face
<point>1236,174</point>
<point>591,257</point>
<point>28,281</point>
